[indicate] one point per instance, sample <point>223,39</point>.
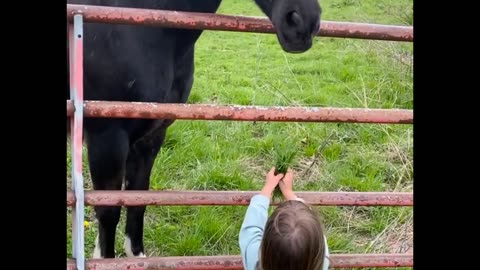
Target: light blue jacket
<point>251,232</point>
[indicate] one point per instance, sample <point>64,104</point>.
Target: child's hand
<point>271,181</point>
<point>286,186</point>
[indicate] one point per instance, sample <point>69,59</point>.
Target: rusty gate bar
<point>139,198</point>
<point>235,262</point>
<point>206,21</point>
<point>117,109</point>
<point>76,93</point>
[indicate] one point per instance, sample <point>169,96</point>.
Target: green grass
<point>251,69</point>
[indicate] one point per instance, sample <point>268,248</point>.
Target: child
<point>291,239</point>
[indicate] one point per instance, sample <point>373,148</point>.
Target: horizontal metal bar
<point>206,21</point>
<point>138,198</point>
<point>235,262</point>
<point>114,109</point>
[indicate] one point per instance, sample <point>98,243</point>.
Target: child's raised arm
<point>251,232</point>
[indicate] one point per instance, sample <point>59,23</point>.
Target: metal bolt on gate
<point>77,108</point>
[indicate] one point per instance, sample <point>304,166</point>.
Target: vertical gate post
<point>75,34</point>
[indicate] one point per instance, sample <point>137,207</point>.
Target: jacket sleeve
<point>251,232</point>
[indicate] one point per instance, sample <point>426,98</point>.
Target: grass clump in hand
<point>284,155</point>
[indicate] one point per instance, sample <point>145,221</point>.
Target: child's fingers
<point>285,187</point>
<point>288,175</point>
<point>271,177</point>
<point>271,172</point>
<point>278,177</point>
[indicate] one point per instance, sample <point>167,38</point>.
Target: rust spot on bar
<point>70,108</point>
<point>116,109</point>
<point>138,198</point>
<point>206,21</point>
<point>235,262</point>
<point>70,198</point>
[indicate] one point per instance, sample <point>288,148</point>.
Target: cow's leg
<point>139,166</point>
<point>107,153</point>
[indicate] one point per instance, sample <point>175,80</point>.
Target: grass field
<point>251,69</point>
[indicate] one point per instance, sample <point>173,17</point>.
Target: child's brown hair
<point>293,239</point>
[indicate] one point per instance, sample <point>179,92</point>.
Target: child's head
<point>293,239</point>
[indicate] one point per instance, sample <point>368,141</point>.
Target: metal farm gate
<point>77,108</point>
